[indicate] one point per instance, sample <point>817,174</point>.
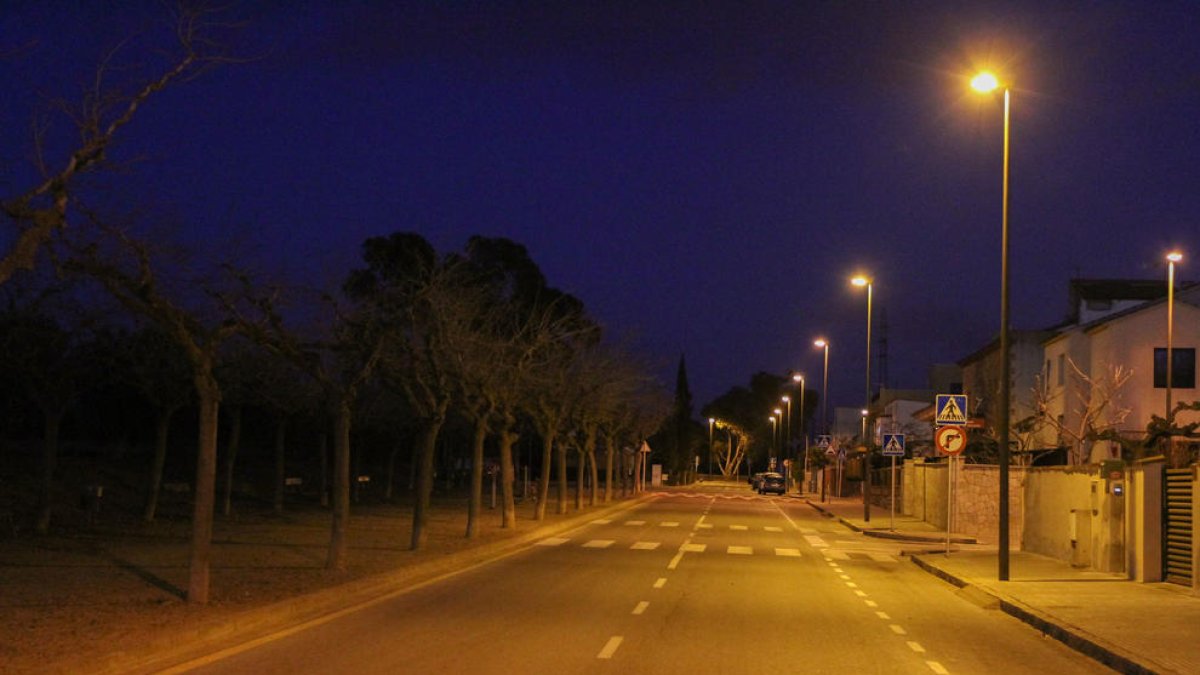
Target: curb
<point>895,536</point>
<point>1073,637</point>
<point>218,633</point>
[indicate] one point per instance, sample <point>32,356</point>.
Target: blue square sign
<point>951,410</point>
<point>893,445</point>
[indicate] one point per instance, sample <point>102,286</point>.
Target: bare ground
<point>108,597</point>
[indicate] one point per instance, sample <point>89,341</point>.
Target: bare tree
<point>100,116</point>
<point>128,274</point>
<point>1091,407</point>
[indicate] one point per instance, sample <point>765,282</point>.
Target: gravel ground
<point>91,598</point>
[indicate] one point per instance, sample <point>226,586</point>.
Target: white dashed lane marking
<point>601,521</point>
<point>662,581</point>
<point>740,550</point>
<point>772,528</point>
<point>937,668</point>
<point>815,541</point>
<point>668,524</point>
<point>916,647</point>
<point>788,552</point>
<point>599,543</point>
<point>738,527</point>
<point>641,607</point>
<point>644,546</point>
<point>610,647</point>
<point>553,541</point>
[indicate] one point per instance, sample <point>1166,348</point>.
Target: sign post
<point>950,440</point>
<point>893,447</point>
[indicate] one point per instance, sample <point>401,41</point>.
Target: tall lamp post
<point>785,451</point>
<point>823,343</point>
<point>799,378</point>
<point>862,281</point>
<point>711,421</point>
<point>774,430</point>
<point>986,82</point>
<point>1172,258</point>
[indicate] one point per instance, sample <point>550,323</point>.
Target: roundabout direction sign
<point>950,439</point>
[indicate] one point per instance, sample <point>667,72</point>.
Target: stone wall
<point>976,497</point>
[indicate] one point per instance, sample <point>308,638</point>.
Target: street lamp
<point>987,82</point>
<point>799,378</point>
<point>862,281</point>
<point>785,451</point>
<point>822,342</point>
<point>774,428</point>
<point>1172,258</point>
<point>711,421</point>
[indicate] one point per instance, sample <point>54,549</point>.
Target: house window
<point>1062,369</point>
<point>1183,370</point>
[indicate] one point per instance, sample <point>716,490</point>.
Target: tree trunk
<point>476,498</point>
<point>162,429</point>
<point>338,543</point>
<point>508,518</point>
<point>543,493</point>
<point>579,469</point>
<point>428,448</point>
<point>280,462</point>
<point>53,423</point>
<point>235,442</point>
<point>204,493</point>
<point>608,468</point>
<point>561,477</point>
<point>589,449</point>
<point>323,449</point>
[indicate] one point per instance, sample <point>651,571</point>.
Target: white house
<point>1112,369</point>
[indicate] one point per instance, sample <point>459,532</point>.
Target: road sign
<point>824,441</point>
<point>950,440</point>
<point>893,445</point>
<point>951,409</point>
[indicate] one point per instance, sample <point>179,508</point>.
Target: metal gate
<point>1177,526</point>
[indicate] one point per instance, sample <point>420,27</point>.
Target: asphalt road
<point>694,581</point>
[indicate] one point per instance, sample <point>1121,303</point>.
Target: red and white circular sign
<point>950,440</point>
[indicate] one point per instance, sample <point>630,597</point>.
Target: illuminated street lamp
<point>774,428</point>
<point>799,378</point>
<point>787,434</point>
<point>862,281</point>
<point>1172,258</point>
<point>711,422</point>
<point>823,343</point>
<point>987,82</point>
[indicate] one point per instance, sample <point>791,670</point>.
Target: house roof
<point>1186,293</point>
<point>1015,337</point>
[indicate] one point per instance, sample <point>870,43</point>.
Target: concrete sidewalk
<point>1129,626</point>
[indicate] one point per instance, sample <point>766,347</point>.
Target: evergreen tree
<point>681,425</point>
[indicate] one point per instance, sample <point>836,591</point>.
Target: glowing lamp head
<point>1174,256</point>
<point>864,413</point>
<point>711,420</point>
<point>777,411</point>
<point>797,378</point>
<point>820,343</point>
<point>785,399</point>
<point>860,280</point>
<point>984,82</point>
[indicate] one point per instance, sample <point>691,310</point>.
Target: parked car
<point>756,481</point>
<point>772,482</point>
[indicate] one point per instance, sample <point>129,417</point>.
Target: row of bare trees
<point>476,335</point>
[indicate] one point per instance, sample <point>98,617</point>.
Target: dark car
<point>772,482</point>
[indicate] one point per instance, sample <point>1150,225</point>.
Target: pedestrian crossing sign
<point>951,410</point>
<point>893,445</point>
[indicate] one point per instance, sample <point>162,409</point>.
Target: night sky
<point>705,176</point>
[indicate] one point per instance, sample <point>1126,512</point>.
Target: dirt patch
<point>81,600</point>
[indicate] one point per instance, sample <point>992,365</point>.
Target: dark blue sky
<point>705,176</point>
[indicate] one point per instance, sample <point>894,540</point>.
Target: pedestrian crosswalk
<point>830,550</point>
